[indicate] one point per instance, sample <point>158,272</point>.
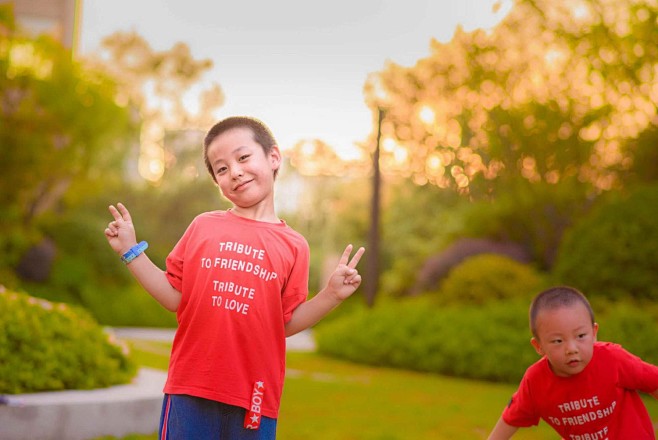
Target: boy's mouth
<point>573,362</point>
<point>240,185</point>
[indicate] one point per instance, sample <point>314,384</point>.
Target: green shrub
<point>488,277</point>
<point>126,306</point>
<point>46,346</point>
<point>612,252</point>
<point>482,343</point>
<point>635,328</point>
<point>488,343</point>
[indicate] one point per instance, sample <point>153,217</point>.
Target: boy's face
<point>242,169</point>
<point>566,336</point>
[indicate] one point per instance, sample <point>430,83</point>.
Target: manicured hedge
<point>489,342</point>
<point>46,346</point>
<point>484,343</point>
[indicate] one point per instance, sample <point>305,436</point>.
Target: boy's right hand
<point>120,232</point>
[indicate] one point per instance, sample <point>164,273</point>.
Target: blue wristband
<point>134,251</point>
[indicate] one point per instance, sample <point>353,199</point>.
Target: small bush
<point>46,346</point>
<point>488,277</point>
<point>612,252</point>
<point>489,343</point>
<point>438,266</point>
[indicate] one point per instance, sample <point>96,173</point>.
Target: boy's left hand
<point>346,279</point>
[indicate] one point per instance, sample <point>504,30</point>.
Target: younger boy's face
<point>566,336</point>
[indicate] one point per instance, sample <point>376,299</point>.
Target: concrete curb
<point>84,414</point>
<point>115,411</point>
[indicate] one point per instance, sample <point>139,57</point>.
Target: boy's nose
<point>572,347</point>
<point>236,172</point>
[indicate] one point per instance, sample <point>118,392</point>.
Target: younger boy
<point>583,388</point>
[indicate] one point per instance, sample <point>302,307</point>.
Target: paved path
<point>302,341</point>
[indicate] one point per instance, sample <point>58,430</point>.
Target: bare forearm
<point>341,285</point>
<point>311,312</point>
<point>502,431</point>
<point>154,281</point>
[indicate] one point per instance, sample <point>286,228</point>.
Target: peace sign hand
<point>346,279</point>
<point>120,232</point>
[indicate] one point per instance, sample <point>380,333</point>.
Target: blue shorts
<point>186,417</point>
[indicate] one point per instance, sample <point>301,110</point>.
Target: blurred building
<point>58,18</point>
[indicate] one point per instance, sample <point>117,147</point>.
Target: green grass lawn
<point>326,399</point>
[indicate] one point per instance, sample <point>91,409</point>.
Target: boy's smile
<point>566,336</point>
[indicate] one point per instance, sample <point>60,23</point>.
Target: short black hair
<point>553,298</point>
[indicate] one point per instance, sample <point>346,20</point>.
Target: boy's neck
<point>261,215</point>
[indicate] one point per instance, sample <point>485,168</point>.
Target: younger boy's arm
<point>502,431</point>
<point>341,285</point>
<point>120,234</point>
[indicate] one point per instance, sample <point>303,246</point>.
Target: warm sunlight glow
<point>151,162</point>
<point>24,60</point>
<point>308,149</point>
<point>580,12</point>
<point>427,115</point>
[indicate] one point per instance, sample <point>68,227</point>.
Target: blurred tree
<point>60,132</point>
<point>555,93</point>
<point>551,108</point>
<point>68,140</point>
<point>160,85</point>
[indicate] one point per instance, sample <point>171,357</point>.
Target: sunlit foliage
<point>57,120</point>
<point>163,87</point>
<point>557,91</point>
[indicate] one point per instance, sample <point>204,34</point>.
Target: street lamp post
<point>372,262</point>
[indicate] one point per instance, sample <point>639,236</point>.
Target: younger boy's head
<point>261,135</point>
<point>563,329</point>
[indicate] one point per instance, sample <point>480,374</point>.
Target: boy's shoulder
<point>602,348</point>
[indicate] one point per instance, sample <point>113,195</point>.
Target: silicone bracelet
<point>134,251</point>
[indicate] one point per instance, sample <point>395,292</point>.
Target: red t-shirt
<point>601,402</point>
<point>240,281</point>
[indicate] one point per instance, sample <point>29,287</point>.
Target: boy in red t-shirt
<point>238,282</point>
<point>582,388</point>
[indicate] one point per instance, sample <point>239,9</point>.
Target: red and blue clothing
<point>240,281</point>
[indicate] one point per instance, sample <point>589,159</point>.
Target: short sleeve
<point>296,289</point>
<point>521,410</point>
<point>634,373</point>
<point>176,259</point>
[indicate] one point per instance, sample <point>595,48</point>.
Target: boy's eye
<point>221,170</point>
<point>243,157</point>
<point>556,341</point>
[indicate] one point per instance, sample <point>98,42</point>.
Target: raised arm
<point>341,285</point>
<point>120,234</point>
<point>502,431</point>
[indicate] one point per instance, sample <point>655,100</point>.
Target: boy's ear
<point>275,157</point>
<point>596,330</point>
<point>535,343</point>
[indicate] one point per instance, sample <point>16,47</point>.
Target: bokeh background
<point>480,154</point>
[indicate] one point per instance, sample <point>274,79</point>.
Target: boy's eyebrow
<point>241,147</point>
<point>236,150</point>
